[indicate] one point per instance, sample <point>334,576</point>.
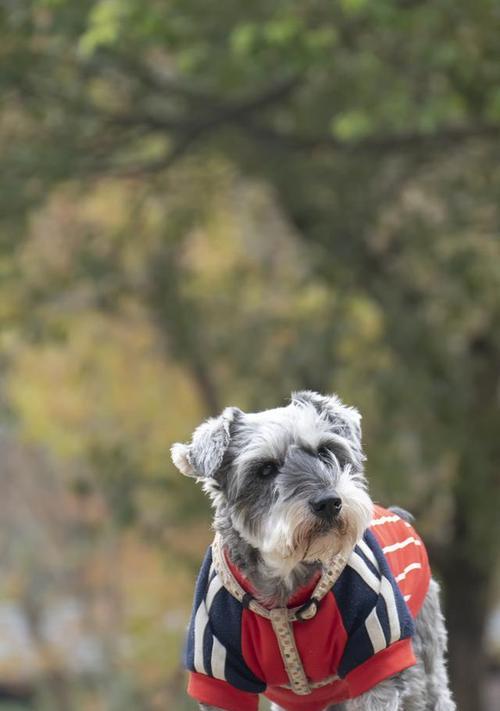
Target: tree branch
<point>217,111</point>
<point>388,143</point>
<point>177,151</point>
<point>442,137</point>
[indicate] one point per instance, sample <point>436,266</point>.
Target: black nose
<point>326,507</point>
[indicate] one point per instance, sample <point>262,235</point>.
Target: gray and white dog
<point>289,492</point>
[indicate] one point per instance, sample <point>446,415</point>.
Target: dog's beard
<point>290,534</point>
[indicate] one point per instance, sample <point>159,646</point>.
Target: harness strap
<point>307,611</point>
<point>281,618</point>
<point>289,653</point>
<point>315,684</point>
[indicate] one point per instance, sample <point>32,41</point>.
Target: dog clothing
<point>347,630</point>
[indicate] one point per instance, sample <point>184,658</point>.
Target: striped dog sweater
<point>358,634</point>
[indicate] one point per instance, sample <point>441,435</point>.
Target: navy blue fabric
<point>357,650</point>
<point>199,595</point>
<point>356,600</point>
<point>224,623</point>
<point>383,617</point>
<point>208,641</point>
<point>367,561</point>
<point>225,619</point>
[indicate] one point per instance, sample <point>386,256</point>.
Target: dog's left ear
<point>346,421</point>
<point>203,456</point>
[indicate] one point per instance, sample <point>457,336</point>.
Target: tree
<point>377,126</point>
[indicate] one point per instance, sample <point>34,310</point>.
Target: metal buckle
<point>305,612</point>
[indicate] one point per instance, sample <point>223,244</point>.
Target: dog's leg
<point>430,646</point>
<point>383,697</point>
<point>337,707</point>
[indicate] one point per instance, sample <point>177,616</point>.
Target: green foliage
<point>211,202</point>
<point>350,125</point>
<point>105,23</point>
<point>342,99</point>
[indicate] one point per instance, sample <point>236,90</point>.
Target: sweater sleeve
<point>215,692</point>
<point>218,672</point>
<point>386,663</point>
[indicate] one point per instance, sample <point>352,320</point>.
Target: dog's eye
<point>267,469</point>
<point>323,453</point>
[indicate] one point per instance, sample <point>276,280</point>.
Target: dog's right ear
<point>203,456</point>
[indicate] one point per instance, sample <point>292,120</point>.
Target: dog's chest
<point>319,643</point>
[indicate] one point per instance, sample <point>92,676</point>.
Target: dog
<point>310,594</point>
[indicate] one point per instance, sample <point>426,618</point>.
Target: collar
<point>235,584</point>
<point>299,597</point>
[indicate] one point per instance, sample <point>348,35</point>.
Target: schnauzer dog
<point>309,594</point>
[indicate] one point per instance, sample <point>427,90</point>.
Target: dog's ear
<point>345,420</point>
<point>203,456</point>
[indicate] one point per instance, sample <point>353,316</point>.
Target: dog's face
<point>289,480</point>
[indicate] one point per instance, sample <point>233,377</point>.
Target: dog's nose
<point>326,507</point>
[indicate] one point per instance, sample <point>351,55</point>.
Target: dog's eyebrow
<point>309,449</point>
<point>263,449</point>
<point>336,442</point>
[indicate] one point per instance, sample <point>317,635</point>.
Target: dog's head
<point>289,480</point>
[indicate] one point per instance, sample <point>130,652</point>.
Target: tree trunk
<point>466,585</point>
<point>181,323</point>
<point>205,384</point>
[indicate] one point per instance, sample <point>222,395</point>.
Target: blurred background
<point>213,203</point>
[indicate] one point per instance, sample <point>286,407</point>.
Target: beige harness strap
<point>282,618</point>
<point>316,684</point>
<point>289,653</point>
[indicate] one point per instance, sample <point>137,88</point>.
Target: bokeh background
<point>211,203</point>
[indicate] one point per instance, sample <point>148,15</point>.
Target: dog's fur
<point>261,471</point>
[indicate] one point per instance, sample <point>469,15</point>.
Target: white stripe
<point>358,564</point>
<point>368,553</point>
<point>213,589</point>
<point>200,623</point>
<point>392,611</point>
<point>389,519</point>
<point>412,566</point>
<point>375,631</point>
<point>401,544</point>
<point>218,660</point>
<point>385,519</point>
<point>407,597</point>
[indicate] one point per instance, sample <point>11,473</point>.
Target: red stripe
<point>215,692</point>
<point>416,582</point>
